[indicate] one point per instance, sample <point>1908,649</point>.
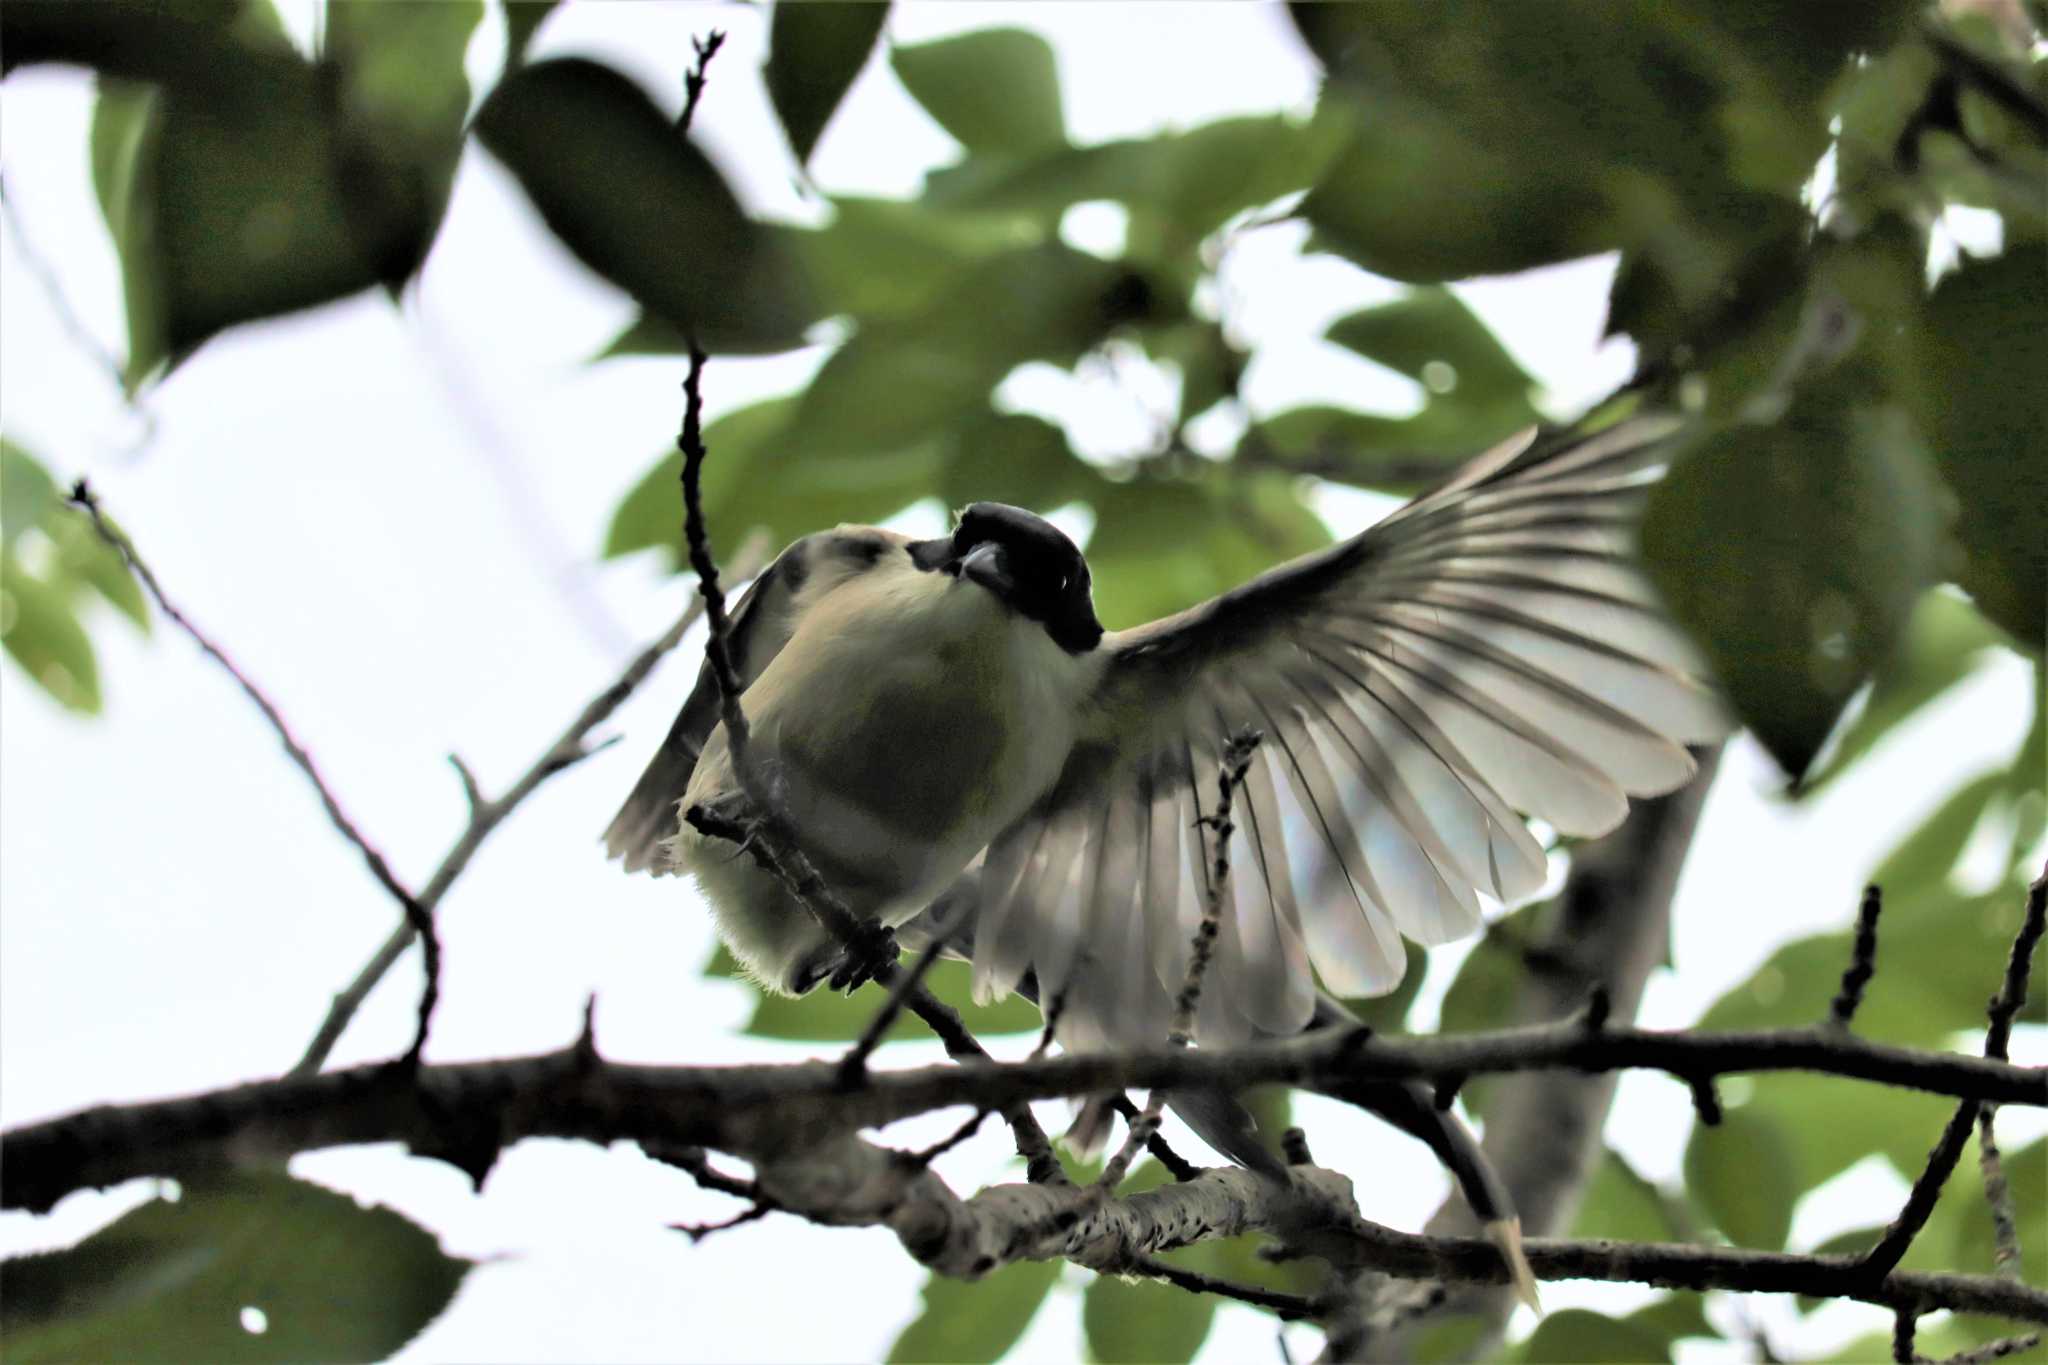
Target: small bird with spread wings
<point>948,725</point>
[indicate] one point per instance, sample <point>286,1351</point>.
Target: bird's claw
<point>872,951</point>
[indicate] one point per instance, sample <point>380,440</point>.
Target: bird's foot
<point>872,952</point>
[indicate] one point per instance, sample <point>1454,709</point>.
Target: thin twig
<point>1237,761</point>
<point>869,946</point>
<point>854,1064</point>
<point>1862,960</point>
<point>1177,1166</point>
<point>1287,1307</point>
<point>417,918</point>
<point>925,1156</point>
<point>693,81</point>
<point>1882,1258</point>
<point>485,815</point>
<point>60,303</point>
<point>2005,1237</point>
<point>697,1232</point>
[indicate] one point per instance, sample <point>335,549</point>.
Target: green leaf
<point>1161,546</point>
<point>1411,198</point>
<point>1675,1316</point>
<point>28,496</point>
<point>404,97</point>
<point>967,1321</point>
<point>85,558</point>
<point>38,628</point>
<point>1015,458</point>
<point>523,19</point>
<point>1944,640</point>
<point>814,53</point>
<point>1794,552</point>
<point>1142,1321</point>
<point>123,143</point>
<point>832,1017</point>
<point>642,206</point>
<point>1743,1174</point>
<point>910,380</point>
<point>1578,1336</point>
<point>1986,415</point>
<point>1179,187</point>
<point>1429,328</point>
<point>997,91</point>
<point>1371,450</point>
<point>169,1281</point>
<point>1622,1206</point>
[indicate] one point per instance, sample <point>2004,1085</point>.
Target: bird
<point>962,749</point>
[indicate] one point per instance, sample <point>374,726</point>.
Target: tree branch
<point>799,1129</point>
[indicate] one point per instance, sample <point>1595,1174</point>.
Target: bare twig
<point>693,81</point>
<point>1948,1150</point>
<point>1177,1166</point>
<point>1286,1307</point>
<point>870,947</point>
<point>855,1062</point>
<point>925,1156</point>
<point>60,301</point>
<point>568,749</point>
<point>2005,1237</point>
<point>1237,761</point>
<point>417,917</point>
<point>1862,961</point>
<point>697,1232</point>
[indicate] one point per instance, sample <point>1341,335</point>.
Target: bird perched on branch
<point>945,723</point>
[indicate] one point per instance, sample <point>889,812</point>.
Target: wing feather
<point>1489,652</point>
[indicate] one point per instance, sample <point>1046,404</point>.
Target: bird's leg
<point>870,954</point>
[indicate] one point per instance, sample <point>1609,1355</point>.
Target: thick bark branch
<point>467,1112</point>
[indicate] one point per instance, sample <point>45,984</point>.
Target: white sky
<point>390,518</point>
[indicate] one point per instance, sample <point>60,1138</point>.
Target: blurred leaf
<point>651,514</point>
<point>1743,1174</point>
<point>967,1321</point>
<point>909,380</point>
<point>1210,368</point>
<point>27,493</point>
<point>1678,1314</point>
<point>1142,1320</point>
<point>1578,1336</point>
<point>85,558</point>
<point>123,137</point>
<point>1430,336</point>
<point>1160,546</point>
<point>241,188</point>
<point>833,1017</point>
<point>814,53</point>
<point>523,19</point>
<point>1794,552</point>
<point>1015,458</point>
<point>997,91</point>
<point>38,628</point>
<point>1986,415</point>
<point>1943,642</point>
<point>1371,450</point>
<point>169,1281</point>
<point>1179,187</point>
<point>642,207</point>
<point>1924,859</point>
<point>1411,197</point>
<point>1622,1206</point>
<point>404,96</point>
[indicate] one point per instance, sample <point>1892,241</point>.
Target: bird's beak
<point>987,565</point>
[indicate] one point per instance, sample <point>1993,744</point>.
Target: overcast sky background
<point>390,517</point>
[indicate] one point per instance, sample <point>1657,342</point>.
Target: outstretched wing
<point>760,625</point>
<point>1488,651</point>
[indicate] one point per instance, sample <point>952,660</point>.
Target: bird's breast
<point>910,723</point>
